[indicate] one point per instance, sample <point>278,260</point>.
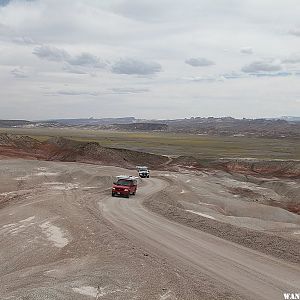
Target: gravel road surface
<point>251,273</point>
<point>62,236</point>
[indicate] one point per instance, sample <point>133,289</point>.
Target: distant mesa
<point>282,127</point>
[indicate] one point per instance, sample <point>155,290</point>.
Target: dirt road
<point>253,274</point>
<point>62,235</point>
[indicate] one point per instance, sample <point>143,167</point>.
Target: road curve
<point>251,273</point>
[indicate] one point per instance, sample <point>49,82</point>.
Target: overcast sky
<point>149,58</point>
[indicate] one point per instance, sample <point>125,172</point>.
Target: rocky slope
<point>279,168</point>
<point>62,149</point>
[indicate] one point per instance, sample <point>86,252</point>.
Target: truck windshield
<point>124,182</point>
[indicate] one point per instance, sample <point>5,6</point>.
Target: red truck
<point>124,186</point>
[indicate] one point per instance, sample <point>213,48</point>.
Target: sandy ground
<point>249,202</point>
<point>62,236</point>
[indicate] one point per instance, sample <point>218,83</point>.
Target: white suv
<point>143,172</point>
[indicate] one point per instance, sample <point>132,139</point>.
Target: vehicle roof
<point>127,177</point>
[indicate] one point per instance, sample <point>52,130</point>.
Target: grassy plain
<point>199,146</point>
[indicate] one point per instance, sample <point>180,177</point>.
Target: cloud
<point>112,91</point>
<point>295,31</point>
<point>292,59</point>
<point>86,59</point>
<point>6,2</point>
<point>132,66</point>
<point>234,75</point>
<point>238,75</point>
<point>51,53</point>
<point>128,91</point>
<point>276,74</point>
<point>246,50</point>
<point>199,62</point>
<point>77,70</point>
<point>19,73</point>
<point>262,66</point>
<point>80,64</point>
<point>141,10</point>
<point>5,30</point>
<point>84,34</point>
<point>213,78</point>
<point>73,93</point>
<point>24,41</point>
